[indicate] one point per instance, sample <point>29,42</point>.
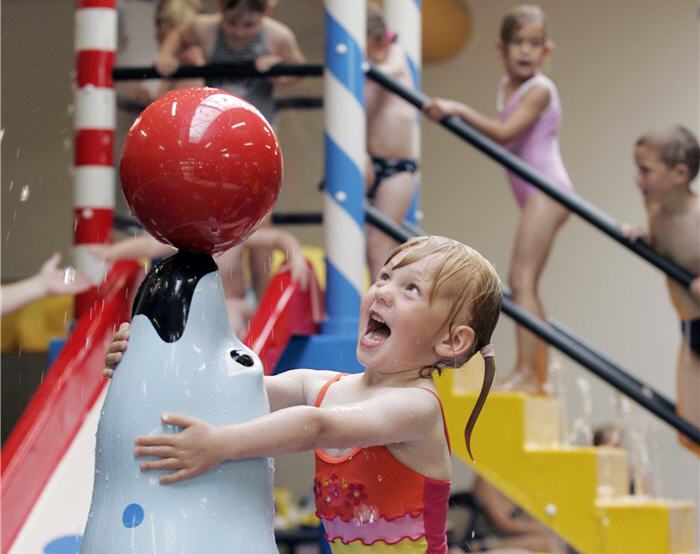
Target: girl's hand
<point>695,288</point>
<point>298,269</point>
<point>438,108</point>
<point>265,62</point>
<point>189,453</point>
<point>166,65</point>
<point>115,350</point>
<point>56,280</point>
<point>633,232</point>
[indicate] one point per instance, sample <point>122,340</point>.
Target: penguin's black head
<point>166,293</point>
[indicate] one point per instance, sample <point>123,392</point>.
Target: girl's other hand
<point>265,62</point>
<point>438,108</point>
<point>299,269</point>
<point>695,288</point>
<point>633,232</point>
<point>116,349</point>
<point>166,65</point>
<point>190,452</point>
<point>57,280</point>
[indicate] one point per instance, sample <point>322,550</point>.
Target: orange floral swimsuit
<point>369,502</point>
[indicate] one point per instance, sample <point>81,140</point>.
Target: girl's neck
<point>400,378</point>
<point>516,81</point>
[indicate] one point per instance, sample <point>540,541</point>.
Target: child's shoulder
<point>316,379</point>
<point>277,30</point>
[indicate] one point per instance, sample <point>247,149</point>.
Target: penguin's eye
<point>241,358</point>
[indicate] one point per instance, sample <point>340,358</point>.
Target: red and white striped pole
<point>95,116</point>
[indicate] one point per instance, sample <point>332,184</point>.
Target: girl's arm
<point>192,56</point>
<point>284,48</point>
<point>403,415</point>
<point>49,280</point>
<point>179,39</point>
<point>288,244</point>
<point>297,387</point>
<point>132,248</point>
<point>533,103</point>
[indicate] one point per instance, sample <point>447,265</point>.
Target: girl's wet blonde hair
<point>474,291</point>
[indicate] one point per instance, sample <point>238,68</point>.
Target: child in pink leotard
<point>528,126</point>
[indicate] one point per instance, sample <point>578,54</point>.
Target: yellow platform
<point>578,492</point>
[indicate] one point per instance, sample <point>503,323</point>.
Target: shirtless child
<point>667,162</point>
<point>390,173</point>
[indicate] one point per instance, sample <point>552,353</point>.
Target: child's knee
<point>521,281</point>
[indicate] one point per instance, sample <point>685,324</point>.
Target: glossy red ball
<point>201,168</point>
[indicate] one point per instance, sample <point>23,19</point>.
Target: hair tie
<point>487,351</point>
<point>391,36</point>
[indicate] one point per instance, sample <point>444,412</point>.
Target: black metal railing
<point>573,202</point>
<point>237,70</point>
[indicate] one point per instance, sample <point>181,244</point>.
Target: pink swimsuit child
<point>539,145</point>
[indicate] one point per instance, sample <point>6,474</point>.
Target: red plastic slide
<point>48,459</point>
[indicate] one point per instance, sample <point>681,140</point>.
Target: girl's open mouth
<point>377,331</point>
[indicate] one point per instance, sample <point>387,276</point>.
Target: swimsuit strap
<point>442,412</point>
<point>324,389</point>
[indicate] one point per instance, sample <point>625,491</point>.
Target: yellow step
<point>579,492</point>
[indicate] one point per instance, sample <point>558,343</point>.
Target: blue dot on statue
<point>132,516</point>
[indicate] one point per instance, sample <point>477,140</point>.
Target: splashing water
<point>643,474</point>
<point>556,376</point>
<point>24,193</point>
<point>69,275</point>
<point>582,432</point>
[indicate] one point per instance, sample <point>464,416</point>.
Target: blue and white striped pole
<point>404,18</point>
<point>345,160</point>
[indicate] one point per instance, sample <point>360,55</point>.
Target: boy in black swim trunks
<point>667,162</point>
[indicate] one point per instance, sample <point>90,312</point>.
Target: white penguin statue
<point>182,357</point>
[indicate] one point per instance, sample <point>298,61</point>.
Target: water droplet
<point>380,478</point>
<point>24,193</point>
<point>69,275</point>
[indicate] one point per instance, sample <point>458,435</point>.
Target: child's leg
<point>688,381</point>
<point>540,221</point>
<point>393,198</point>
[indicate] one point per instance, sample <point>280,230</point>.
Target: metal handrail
<point>573,202</point>
<point>237,70</point>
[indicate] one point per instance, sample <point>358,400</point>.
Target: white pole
<point>404,18</point>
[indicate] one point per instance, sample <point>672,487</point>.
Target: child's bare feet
<point>520,381</point>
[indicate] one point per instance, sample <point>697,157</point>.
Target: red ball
<point>201,169</point>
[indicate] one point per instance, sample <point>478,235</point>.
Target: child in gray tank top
<point>241,31</point>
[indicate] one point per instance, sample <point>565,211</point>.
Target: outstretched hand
<point>56,280</point>
<point>298,269</point>
<point>695,288</point>
<point>189,453</point>
<point>439,108</point>
<point>633,232</point>
<point>115,350</point>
